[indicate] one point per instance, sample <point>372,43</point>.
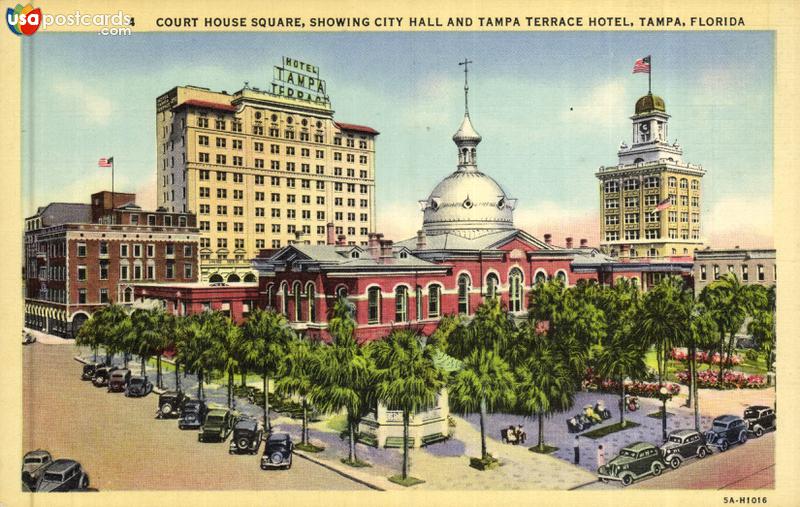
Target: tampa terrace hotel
<point>263,168</point>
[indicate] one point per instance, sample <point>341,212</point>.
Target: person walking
<point>601,456</point>
<point>577,451</point>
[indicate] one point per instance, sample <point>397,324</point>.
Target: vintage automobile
<point>634,461</point>
<point>727,430</point>
<point>277,451</point>
<point>33,465</point>
<point>89,370</point>
<point>193,414</point>
<point>138,385</point>
<point>759,419</point>
<point>63,475</point>
<point>118,380</point>
<point>170,403</point>
<point>682,445</point>
<point>217,426</point>
<point>247,436</point>
<point>102,374</point>
<point>28,338</point>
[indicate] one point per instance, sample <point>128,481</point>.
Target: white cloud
<point>94,107</point>
<point>599,105</point>
<point>744,220</point>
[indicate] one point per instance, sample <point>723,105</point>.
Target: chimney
<point>548,239</point>
<point>421,240</point>
<point>584,243</point>
<point>330,238</point>
<point>387,256</point>
<point>569,242</point>
<point>373,245</point>
<point>340,240</point>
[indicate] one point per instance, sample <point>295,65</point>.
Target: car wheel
<point>702,453</point>
<point>627,480</point>
<point>604,480</point>
<point>166,409</point>
<point>742,437</point>
<point>759,431</point>
<point>242,443</point>
<point>675,462</point>
<point>85,482</point>
<point>724,446</point>
<point>656,469</point>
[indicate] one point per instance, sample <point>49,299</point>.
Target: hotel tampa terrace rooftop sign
<point>295,79</point>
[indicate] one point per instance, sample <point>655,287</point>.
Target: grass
<point>355,463</point>
<point>607,430</point>
<point>545,449</point>
<point>338,423</point>
<point>488,463</point>
<point>749,367</point>
<point>408,481</point>
<point>657,414</point>
<point>309,447</point>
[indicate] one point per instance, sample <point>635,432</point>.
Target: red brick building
<point>79,257</point>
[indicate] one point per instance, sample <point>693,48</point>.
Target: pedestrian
<point>577,451</point>
<point>601,456</point>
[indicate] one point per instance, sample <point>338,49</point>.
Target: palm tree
<point>485,382</point>
<point>89,335</point>
<point>296,375</point>
<point>224,336</point>
<point>195,348</point>
<point>343,379</point>
<point>762,326</point>
<point>266,335</point>
<point>731,302</point>
<point>146,333</point>
<point>407,378</point>
<point>111,326</point>
<point>702,336</point>
<point>621,357</point>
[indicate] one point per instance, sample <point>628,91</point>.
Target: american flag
<point>105,162</point>
<point>666,203</point>
<point>642,65</point>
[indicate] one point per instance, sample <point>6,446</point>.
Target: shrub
<point>730,380</point>
<point>592,382</point>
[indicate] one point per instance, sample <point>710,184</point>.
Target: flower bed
<point>730,380</point>
<point>635,388</point>
<point>681,354</point>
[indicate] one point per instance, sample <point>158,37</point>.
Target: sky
<point>552,108</point>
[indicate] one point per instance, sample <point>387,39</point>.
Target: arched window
<point>562,276</point>
<point>540,277</point>
<point>418,302</point>
<point>250,277</point>
<point>341,292</point>
<point>463,294</point>
<point>492,284</point>
<point>311,296</point>
<point>515,290</point>
<point>401,304</point>
<point>374,305</point>
<point>297,293</point>
<point>233,277</point>
<point>434,303</point>
<point>215,278</point>
<point>286,299</point>
<point>128,295</point>
<point>270,296</point>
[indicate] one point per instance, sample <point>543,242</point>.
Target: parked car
<point>33,465</point>
<point>247,436</point>
<point>63,475</point>
<point>682,445</point>
<point>759,419</point>
<point>634,461</point>
<point>277,451</point>
<point>727,430</point>
<point>102,374</point>
<point>138,386</point>
<point>89,370</point>
<point>118,380</point>
<point>28,338</point>
<point>170,403</point>
<point>193,414</point>
<point>217,426</point>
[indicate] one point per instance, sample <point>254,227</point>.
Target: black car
<point>634,461</point>
<point>193,414</point>
<point>682,445</point>
<point>102,374</point>
<point>170,403</point>
<point>138,385</point>
<point>89,371</point>
<point>118,380</point>
<point>28,338</point>
<point>63,475</point>
<point>217,426</point>
<point>247,436</point>
<point>277,451</point>
<point>727,430</point>
<point>759,419</point>
<point>33,465</point>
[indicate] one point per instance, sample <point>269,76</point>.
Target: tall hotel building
<point>650,201</point>
<point>264,168</point>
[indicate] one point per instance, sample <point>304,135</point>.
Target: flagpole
<point>649,76</point>
<point>112,190</point>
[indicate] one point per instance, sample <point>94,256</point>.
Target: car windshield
<point>53,476</point>
<point>214,419</point>
<point>137,381</point>
<point>676,439</point>
<point>628,453</point>
<point>751,412</point>
<point>33,460</point>
<point>720,425</point>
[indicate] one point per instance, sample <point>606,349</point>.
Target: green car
<point>634,461</point>
<point>218,425</point>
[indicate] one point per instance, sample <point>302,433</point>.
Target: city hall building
<point>261,168</point>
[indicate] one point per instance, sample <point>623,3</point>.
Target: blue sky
<point>551,107</point>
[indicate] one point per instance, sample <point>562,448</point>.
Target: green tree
<point>621,357</point>
<point>195,349</point>
<point>407,378</point>
<point>297,375</point>
<point>225,337</point>
<point>663,319</point>
<point>702,336</point>
<point>89,335</point>
<point>266,336</point>
<point>111,324</point>
<point>146,334</point>
<point>762,326</point>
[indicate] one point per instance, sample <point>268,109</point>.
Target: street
<point>123,447</point>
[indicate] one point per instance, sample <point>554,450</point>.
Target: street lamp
<point>664,396</point>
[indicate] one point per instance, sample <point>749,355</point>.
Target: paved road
<point>123,447</point>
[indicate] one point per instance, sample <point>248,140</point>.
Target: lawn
<point>607,430</point>
<point>750,367</point>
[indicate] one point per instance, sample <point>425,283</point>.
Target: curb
<point>342,471</point>
<point>78,358</point>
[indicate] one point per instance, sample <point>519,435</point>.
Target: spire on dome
<point>466,138</point>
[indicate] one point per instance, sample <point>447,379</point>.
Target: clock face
<point>644,127</point>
